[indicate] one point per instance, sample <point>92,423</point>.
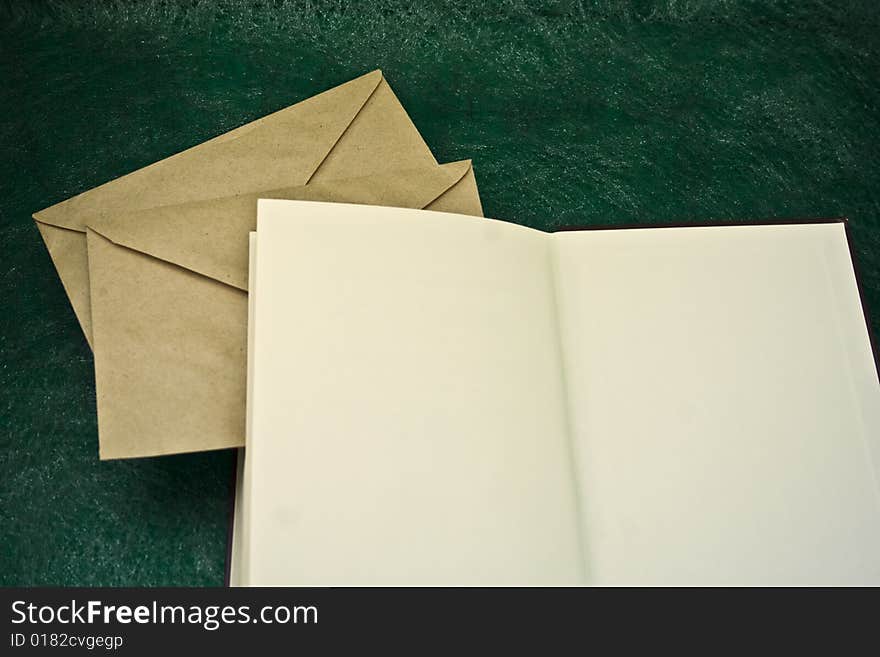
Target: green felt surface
<point>602,112</point>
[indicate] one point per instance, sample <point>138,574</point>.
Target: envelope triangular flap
<point>187,391</point>
<point>464,194</point>
<point>398,144</point>
<point>210,237</point>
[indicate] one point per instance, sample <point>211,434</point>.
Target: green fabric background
<point>604,112</point>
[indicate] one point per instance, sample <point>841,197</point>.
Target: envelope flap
<point>210,237</point>
<point>298,138</point>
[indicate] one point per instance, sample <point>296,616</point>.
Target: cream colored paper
<point>356,129</point>
<point>724,404</point>
<point>168,303</point>
<point>238,549</point>
<point>394,440</point>
<point>451,400</point>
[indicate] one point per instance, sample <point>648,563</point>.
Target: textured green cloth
<point>602,112</point>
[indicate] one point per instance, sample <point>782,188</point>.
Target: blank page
<point>408,419</point>
<point>724,405</point>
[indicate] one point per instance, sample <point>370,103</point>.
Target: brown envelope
<point>169,307</point>
<point>356,129</point>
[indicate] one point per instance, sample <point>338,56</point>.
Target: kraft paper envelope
<point>169,307</point>
<point>356,129</point>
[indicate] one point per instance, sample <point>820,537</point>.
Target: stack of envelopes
<point>155,263</point>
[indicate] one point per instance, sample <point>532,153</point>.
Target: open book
<point>439,399</point>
